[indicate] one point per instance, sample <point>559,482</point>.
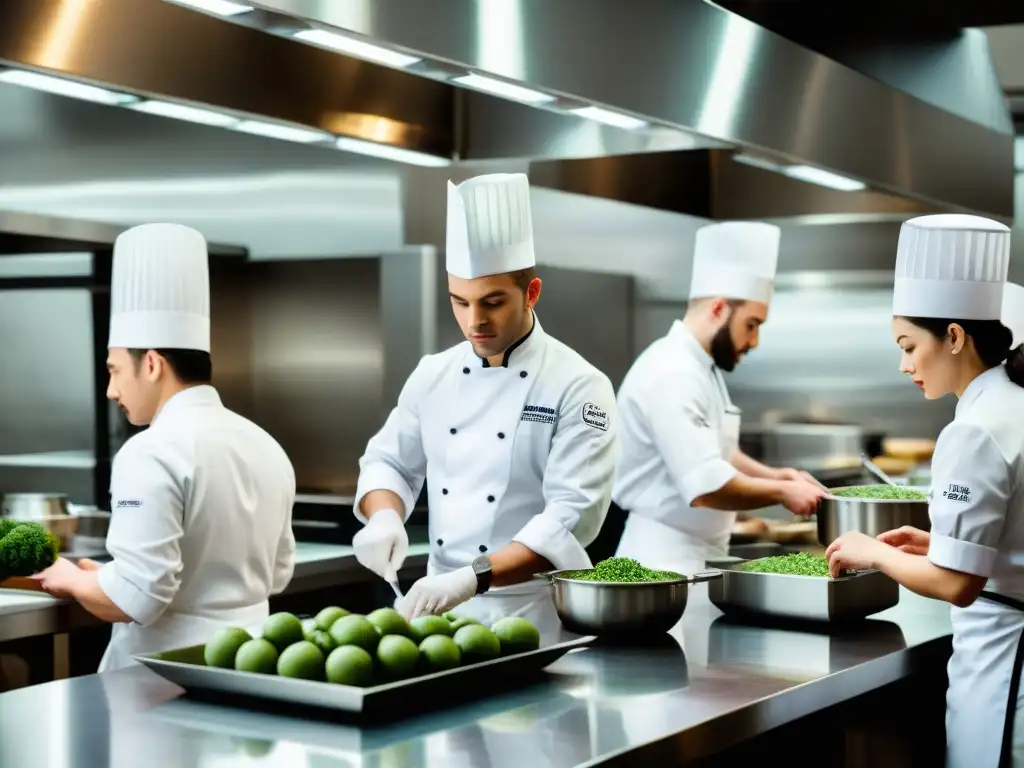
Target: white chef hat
<point>735,260</point>
<point>490,227</point>
<point>160,289</point>
<point>951,266</point>
<point>1012,315</point>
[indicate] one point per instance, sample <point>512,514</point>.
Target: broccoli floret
<point>25,549</point>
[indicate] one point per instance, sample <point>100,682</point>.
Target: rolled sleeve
<point>971,486</point>
<point>680,425</point>
<point>394,459</point>
<point>144,538</point>
<point>578,476</point>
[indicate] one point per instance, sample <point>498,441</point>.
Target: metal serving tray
<point>184,667</point>
<point>856,596</point>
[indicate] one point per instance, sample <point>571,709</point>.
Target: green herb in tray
<point>799,564</point>
<point>880,492</point>
<point>620,569</point>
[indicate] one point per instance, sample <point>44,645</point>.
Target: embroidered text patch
<point>595,416</point>
<point>539,413</point>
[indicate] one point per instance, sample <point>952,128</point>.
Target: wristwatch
<point>482,569</point>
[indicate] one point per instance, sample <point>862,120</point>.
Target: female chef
<point>947,307</point>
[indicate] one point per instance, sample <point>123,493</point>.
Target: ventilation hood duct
<point>691,65</point>
<point>718,184</point>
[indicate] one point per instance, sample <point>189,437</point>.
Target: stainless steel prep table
<point>719,683</point>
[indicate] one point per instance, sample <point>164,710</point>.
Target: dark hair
<point>991,339</point>
<point>190,366</point>
<point>524,277</point>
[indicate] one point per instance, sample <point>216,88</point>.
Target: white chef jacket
<point>679,431</point>
<point>200,528</point>
<point>977,526</point>
<point>519,452</point>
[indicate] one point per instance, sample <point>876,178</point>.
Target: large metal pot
<point>34,506</point>
<point>837,515</point>
<point>50,510</point>
<point>634,609</point>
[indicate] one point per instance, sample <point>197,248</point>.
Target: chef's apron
<point>984,717</point>
<point>663,547</point>
<point>175,630</point>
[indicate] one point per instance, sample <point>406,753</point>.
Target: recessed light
<point>609,117</point>
<point>182,112</point>
<point>503,88</point>
<point>357,48</point>
<point>388,152</point>
<point>62,87</point>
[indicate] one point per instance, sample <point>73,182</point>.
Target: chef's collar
<point>521,345</point>
<point>683,338</point>
<point>201,394</point>
<point>981,382</point>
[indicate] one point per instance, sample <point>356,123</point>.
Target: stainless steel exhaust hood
<point>699,76</point>
<point>692,65</point>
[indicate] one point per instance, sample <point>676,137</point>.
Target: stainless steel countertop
<point>713,684</point>
<point>29,614</point>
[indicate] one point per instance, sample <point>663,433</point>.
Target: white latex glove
<point>434,595</point>
<point>382,544</point>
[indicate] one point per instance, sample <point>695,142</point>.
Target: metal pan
<point>184,667</point>
<point>811,598</point>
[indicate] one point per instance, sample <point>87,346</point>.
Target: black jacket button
<point>453,430</point>
<point>440,542</point>
<point>444,491</point>
<point>465,370</point>
<point>490,498</point>
<point>483,548</point>
<point>522,374</point>
<point>501,435</point>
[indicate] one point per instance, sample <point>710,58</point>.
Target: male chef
<point>682,476</point>
<point>201,502</point>
<point>514,432</point>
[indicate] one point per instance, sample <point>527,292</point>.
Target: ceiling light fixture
<point>823,178</point>
<point>181,112</point>
<point>503,88</point>
<point>609,117</point>
<point>62,87</point>
<point>216,7</point>
<point>357,48</point>
<point>277,131</point>
<point>388,152</point>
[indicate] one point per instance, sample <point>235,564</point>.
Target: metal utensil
<point>397,590</point>
<point>633,609</point>
<point>875,470</point>
<point>837,515</point>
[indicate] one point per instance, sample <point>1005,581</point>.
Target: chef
<point>514,432</point>
<point>948,304</point>
<point>682,477</point>
<point>200,531</point>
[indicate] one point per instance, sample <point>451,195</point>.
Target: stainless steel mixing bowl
<point>837,515</point>
<point>633,609</point>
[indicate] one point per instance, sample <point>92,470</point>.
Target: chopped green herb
<point>620,569</point>
<point>798,564</point>
<point>880,492</point>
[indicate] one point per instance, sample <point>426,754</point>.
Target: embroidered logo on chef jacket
<point>128,503</point>
<point>594,416</point>
<point>539,413</point>
<point>957,492</point>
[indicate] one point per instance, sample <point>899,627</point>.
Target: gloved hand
<point>434,595</point>
<point>382,544</point>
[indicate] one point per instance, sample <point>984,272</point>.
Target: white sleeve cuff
<point>380,476</point>
<point>707,478</point>
<point>963,556</point>
<point>142,608</point>
<point>546,536</point>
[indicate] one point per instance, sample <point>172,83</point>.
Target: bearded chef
<point>513,431</point>
<point>200,531</point>
<point>682,477</point>
<point>955,325</point>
